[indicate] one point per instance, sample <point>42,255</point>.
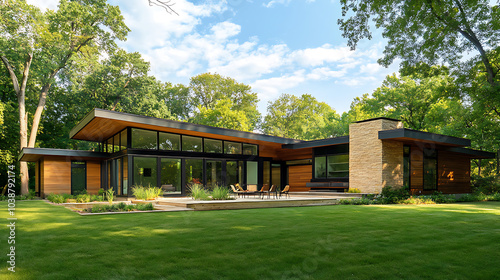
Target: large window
<point>233,171</point>
<point>194,171</point>
<point>123,137</point>
<point>144,139</point>
<point>145,171</point>
<point>214,172</point>
<point>338,166</point>
<point>430,170</point>
<point>320,167</point>
<point>232,148</point>
<point>191,144</point>
<point>252,172</point>
<point>170,142</point>
<point>331,166</point>
<point>171,175</point>
<point>250,149</point>
<point>213,146</point>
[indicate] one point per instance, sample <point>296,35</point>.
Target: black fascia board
<point>176,124</point>
<point>61,152</point>
<point>318,143</point>
<point>471,152</point>
<point>420,135</point>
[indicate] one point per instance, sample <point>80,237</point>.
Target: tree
<point>222,115</point>
<point>49,41</point>
<point>205,90</point>
<point>302,118</point>
<point>430,31</point>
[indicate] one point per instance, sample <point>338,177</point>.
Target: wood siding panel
<point>298,176</point>
<point>453,173</point>
<point>287,154</point>
<point>93,176</point>
<point>57,175</point>
<point>42,176</point>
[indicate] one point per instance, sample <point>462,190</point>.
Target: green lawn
<point>456,241</point>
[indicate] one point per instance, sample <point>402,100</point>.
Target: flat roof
<point>472,153</point>
<point>379,118</point>
<point>99,124</point>
<point>34,154</point>
<point>318,143</point>
<point>410,135</point>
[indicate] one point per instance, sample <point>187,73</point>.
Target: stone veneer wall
<point>374,163</point>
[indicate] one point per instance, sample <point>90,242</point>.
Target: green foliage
<point>487,185</point>
<point>221,193</point>
<point>110,194</point>
<point>121,205</point>
<point>356,201</point>
<point>145,207</point>
<point>197,192</point>
<point>353,190</point>
<point>56,198</point>
<point>216,97</point>
<point>417,200</point>
<point>390,195</point>
<point>146,193</point>
<point>83,198</point>
<point>302,118</point>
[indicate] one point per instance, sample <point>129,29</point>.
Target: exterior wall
<point>374,163</point>
<point>57,175</point>
<point>93,176</point>
<point>416,169</point>
<point>453,173</point>
<point>298,176</point>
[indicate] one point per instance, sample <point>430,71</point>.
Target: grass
<point>443,241</point>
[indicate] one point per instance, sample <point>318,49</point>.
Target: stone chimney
<point>374,163</point>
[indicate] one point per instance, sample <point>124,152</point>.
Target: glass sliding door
<point>232,173</point>
<point>213,172</point>
<point>117,172</point>
<point>252,173</point>
<point>171,175</point>
<point>125,176</point>
<point>145,173</point>
<point>194,171</point>
<point>276,174</point>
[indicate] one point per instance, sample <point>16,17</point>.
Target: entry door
<point>276,174</point>
<point>78,177</point>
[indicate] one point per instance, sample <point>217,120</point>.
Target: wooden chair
<point>272,190</point>
<point>263,190</point>
<point>285,191</point>
<point>237,191</point>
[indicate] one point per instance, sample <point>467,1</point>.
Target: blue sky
<point>275,46</point>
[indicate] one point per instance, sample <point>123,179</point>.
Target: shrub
<point>494,197</point>
<point>417,200</point>
<point>356,201</point>
<point>391,196</point>
<point>485,185</point>
<point>146,193</point>
<point>96,198</point>
<point>129,207</point>
<point>145,207</point>
<point>353,190</point>
<point>121,205</point>
<point>439,197</point>
<point>83,198</point>
<point>221,193</point>
<point>96,208</point>
<point>468,197</point>
<point>110,195</point>
<point>197,192</point>
<point>56,198</point>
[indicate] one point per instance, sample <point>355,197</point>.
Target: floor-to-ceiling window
<point>194,171</point>
<point>171,175</point>
<point>430,170</point>
<point>252,173</point>
<point>145,171</point>
<point>213,172</point>
<point>233,171</point>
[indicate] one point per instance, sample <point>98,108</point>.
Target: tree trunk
<point>38,115</point>
<point>23,117</point>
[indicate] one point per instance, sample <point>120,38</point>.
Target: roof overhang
<point>409,136</point>
<point>318,143</point>
<point>34,154</point>
<point>100,124</point>
<point>472,153</point>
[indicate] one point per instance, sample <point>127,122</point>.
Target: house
<point>139,150</point>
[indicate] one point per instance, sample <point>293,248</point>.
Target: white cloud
<point>370,68</point>
<point>324,54</point>
<point>275,2</point>
<point>271,88</point>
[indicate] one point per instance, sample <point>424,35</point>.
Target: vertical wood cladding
<point>93,176</point>
<point>57,175</point>
<point>298,176</point>
<point>453,173</point>
<point>416,168</point>
<point>288,154</point>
